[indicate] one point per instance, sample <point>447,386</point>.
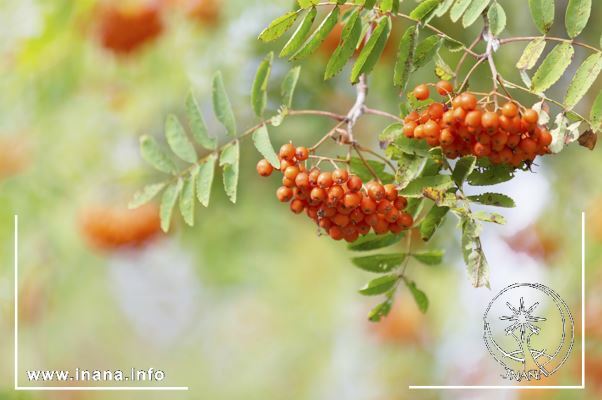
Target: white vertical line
<point>16,310</point>
<point>583,299</point>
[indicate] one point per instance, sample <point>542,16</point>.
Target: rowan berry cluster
<point>462,126</point>
<point>337,201</point>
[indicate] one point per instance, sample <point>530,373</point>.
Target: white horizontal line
<point>99,388</point>
<point>496,387</point>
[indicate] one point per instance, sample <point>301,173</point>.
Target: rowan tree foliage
<point>436,143</point>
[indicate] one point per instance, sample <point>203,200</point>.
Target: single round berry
<point>390,192</point>
<point>297,206</point>
<point>531,116</point>
<point>421,92</point>
<point>406,220</point>
<point>367,205</point>
<point>400,203</point>
<point>318,195</point>
<point>335,232</point>
<point>301,153</point>
<point>376,191</point>
<point>468,101</point>
<point>264,168</point>
<point>357,216</point>
<point>384,206</point>
<point>325,180</point>
<point>284,194</point>
<point>490,121</point>
<point>341,220</point>
<point>313,176</point>
<point>287,152</point>
<point>291,172</point>
<point>340,176</point>
<point>352,200</point>
<point>354,184</point>
<point>431,129</point>
<point>302,180</point>
<point>545,138</point>
<point>288,182</point>
<point>510,110</point>
<point>444,88</point>
<point>335,195</point>
<point>436,111</point>
<point>481,150</point>
<point>473,119</point>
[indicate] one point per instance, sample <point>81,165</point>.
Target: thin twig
<point>465,55</point>
<point>473,69</point>
<point>328,134</point>
<point>374,153</point>
<point>382,114</point>
<point>335,116</point>
<point>368,166</point>
<point>555,39</point>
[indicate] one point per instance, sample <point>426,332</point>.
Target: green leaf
<point>405,57</point>
<point>197,124</point>
<point>379,285</point>
<point>490,175</point>
<point>430,257</point>
<point>463,169</point>
<point>373,241</point>
<point>319,35</point>
<point>204,180</point>
<point>369,4</point>
<point>259,95</point>
<point>168,201</point>
<point>490,217</point>
<point>349,39</point>
<point>426,50</point>
<point>391,132</point>
<point>381,310</point>
<point>542,12</point>
<point>552,67</point>
<point>412,147</point>
<point>432,221</point>
<point>453,45</point>
<point>577,15</point>
<point>415,187</point>
<point>493,199</point>
<point>306,3</point>
<point>497,19</point>
<point>372,50</point>
<point>531,54</point>
<point>442,69</point>
<point>261,140</point>
<point>584,78</point>
<point>474,11</point>
<point>222,106</point>
<point>458,9</point>
<point>187,197</point>
<point>145,195</point>
<point>298,38</point>
<point>359,168</point>
<point>289,83</point>
<point>389,5</point>
<point>278,26</point>
<point>444,8</point>
<point>155,156</point>
<point>472,251</point>
<point>229,161</point>
<point>595,114</point>
<point>177,139</point>
<point>379,262</point>
<point>419,296</point>
<point>424,10</point>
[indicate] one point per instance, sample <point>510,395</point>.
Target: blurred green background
<point>250,303</point>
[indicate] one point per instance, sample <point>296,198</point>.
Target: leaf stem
<point>551,38</point>
<point>366,164</point>
<point>335,116</point>
<point>382,114</point>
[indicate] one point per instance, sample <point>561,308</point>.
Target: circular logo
<point>529,330</point>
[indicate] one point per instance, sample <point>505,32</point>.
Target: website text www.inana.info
<point>96,375</point>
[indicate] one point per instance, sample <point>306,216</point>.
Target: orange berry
<point>490,121</point>
<point>356,216</point>
<point>291,172</point>
<point>509,110</point>
<point>531,116</point>
<point>421,92</point>
<point>528,146</point>
<point>481,150</point>
<point>444,88</point>
<point>301,153</point>
<point>302,180</point>
<point>335,194</point>
<point>473,119</point>
<point>335,232</point>
<point>400,203</point>
<point>340,176</point>
<point>354,183</point>
<point>367,205</point>
<point>376,191</point>
<point>384,206</point>
<point>264,168</point>
<point>545,138</point>
<point>506,156</point>
<point>287,152</point>
<point>513,141</point>
<point>419,132</point>
<point>284,194</point>
<point>341,220</point>
<point>447,137</point>
<point>447,119</point>
<point>412,116</point>
<point>431,129</point>
<point>325,180</point>
<point>390,192</point>
<point>408,129</point>
<point>313,176</point>
<point>405,220</point>
<point>317,195</point>
<point>436,111</point>
<point>459,114</point>
<point>288,182</point>
<point>468,101</point>
<point>352,200</point>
